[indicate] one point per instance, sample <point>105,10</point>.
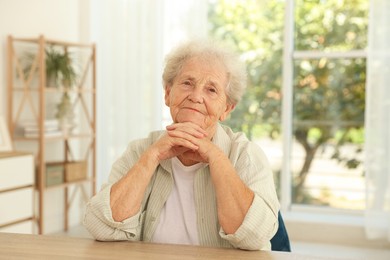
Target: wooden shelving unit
<point>29,98</point>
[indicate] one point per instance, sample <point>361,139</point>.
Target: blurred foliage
<point>329,94</point>
<point>59,65</point>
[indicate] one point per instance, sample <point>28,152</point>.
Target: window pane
<point>328,94</point>
<point>255,29</point>
<point>327,159</point>
<point>332,25</point>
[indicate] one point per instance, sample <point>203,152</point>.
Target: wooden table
<point>23,246</point>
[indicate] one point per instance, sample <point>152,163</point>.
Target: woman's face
<point>198,94</point>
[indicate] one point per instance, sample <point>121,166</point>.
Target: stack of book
<point>51,128</point>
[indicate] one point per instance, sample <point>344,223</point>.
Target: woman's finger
<point>188,127</point>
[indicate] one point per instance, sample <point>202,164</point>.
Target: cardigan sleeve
<point>99,222</point>
<point>98,215</point>
<point>261,220</point>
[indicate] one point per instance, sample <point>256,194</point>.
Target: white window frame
<point>289,56</point>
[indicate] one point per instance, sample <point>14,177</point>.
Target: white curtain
<point>132,38</point>
<point>378,122</point>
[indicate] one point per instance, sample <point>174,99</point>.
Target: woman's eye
<point>187,82</point>
<point>212,90</point>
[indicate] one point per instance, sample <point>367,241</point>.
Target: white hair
<point>207,49</point>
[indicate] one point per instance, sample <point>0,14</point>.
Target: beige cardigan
<point>258,227</point>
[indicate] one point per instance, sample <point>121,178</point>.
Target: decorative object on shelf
<point>60,69</point>
<point>30,129</point>
<point>75,171</point>
<point>5,141</point>
<point>54,174</point>
<point>65,172</point>
<point>60,72</point>
<point>65,114</point>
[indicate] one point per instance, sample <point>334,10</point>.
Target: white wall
<point>57,19</point>
<point>66,20</point>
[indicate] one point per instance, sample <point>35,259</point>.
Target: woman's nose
<point>196,95</point>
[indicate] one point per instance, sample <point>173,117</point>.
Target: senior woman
<point>197,182</point>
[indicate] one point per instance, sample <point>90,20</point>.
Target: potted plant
<point>60,72</point>
<point>59,69</point>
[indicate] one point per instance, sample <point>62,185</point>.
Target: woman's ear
<point>225,114</point>
<point>166,96</point>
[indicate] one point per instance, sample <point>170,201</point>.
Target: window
<point>306,95</point>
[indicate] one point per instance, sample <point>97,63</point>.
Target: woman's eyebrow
<point>192,78</point>
<point>212,83</point>
<point>187,77</point>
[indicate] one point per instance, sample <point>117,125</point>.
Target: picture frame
<point>5,140</point>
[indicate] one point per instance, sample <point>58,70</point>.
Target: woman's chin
<point>192,120</point>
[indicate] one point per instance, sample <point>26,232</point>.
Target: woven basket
<point>75,171</point>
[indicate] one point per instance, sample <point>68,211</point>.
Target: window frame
<point>289,56</point>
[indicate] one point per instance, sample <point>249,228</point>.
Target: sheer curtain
<point>132,38</point>
<point>378,122</point>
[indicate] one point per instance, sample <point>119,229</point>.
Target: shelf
<point>54,42</point>
<point>57,90</point>
<point>67,184</point>
<point>29,99</point>
<point>55,138</point>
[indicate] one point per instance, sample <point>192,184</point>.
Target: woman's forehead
<point>206,64</point>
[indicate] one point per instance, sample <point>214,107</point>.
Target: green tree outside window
<point>329,94</point>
